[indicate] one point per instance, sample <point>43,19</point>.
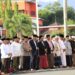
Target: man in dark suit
<point>49,46</point>
<point>43,62</point>
<point>34,53</point>
<point>73,50</point>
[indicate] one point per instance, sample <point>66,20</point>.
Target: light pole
<point>65,16</point>
<point>37,17</point>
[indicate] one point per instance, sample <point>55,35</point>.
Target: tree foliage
<point>0,8</point>
<point>16,22</point>
<point>71,32</point>
<point>54,12</point>
<point>70,22</point>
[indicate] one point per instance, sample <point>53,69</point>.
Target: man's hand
<point>74,49</point>
<point>46,50</point>
<point>37,48</point>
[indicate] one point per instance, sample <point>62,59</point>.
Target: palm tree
<point>16,23</point>
<point>22,22</point>
<point>0,8</point>
<point>7,19</point>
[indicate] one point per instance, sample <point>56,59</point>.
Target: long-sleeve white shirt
<point>5,50</point>
<point>68,48</point>
<point>16,49</point>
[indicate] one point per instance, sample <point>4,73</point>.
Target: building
<point>24,6</point>
<point>55,29</point>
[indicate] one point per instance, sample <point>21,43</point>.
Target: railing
<point>57,26</point>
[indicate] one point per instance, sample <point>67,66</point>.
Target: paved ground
<point>48,72</point>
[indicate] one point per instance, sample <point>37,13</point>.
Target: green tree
<point>71,13</point>
<point>16,22</point>
<point>50,13</point>
<point>22,22</point>
<point>0,8</point>
<point>9,4</point>
<point>56,7</point>
<point>71,32</point>
<point>16,9</point>
<point>54,12</point>
<point>7,21</point>
<point>70,22</point>
<point>46,15</point>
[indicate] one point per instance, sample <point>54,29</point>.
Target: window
<point>21,11</point>
<point>32,13</point>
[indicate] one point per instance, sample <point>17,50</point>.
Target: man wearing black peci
<point>43,62</point>
<point>34,52</point>
<point>50,47</point>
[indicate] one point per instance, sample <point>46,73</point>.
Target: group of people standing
<point>33,53</point>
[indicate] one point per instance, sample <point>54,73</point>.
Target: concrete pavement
<point>48,72</point>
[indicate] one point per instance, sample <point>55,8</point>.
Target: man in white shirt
<point>16,53</point>
<point>57,52</point>
<point>63,50</point>
<point>6,53</point>
<point>68,51</point>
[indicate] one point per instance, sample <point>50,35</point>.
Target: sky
<point>43,3</point>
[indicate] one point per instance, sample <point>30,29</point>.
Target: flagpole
<point>65,16</point>
<point>37,18</point>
